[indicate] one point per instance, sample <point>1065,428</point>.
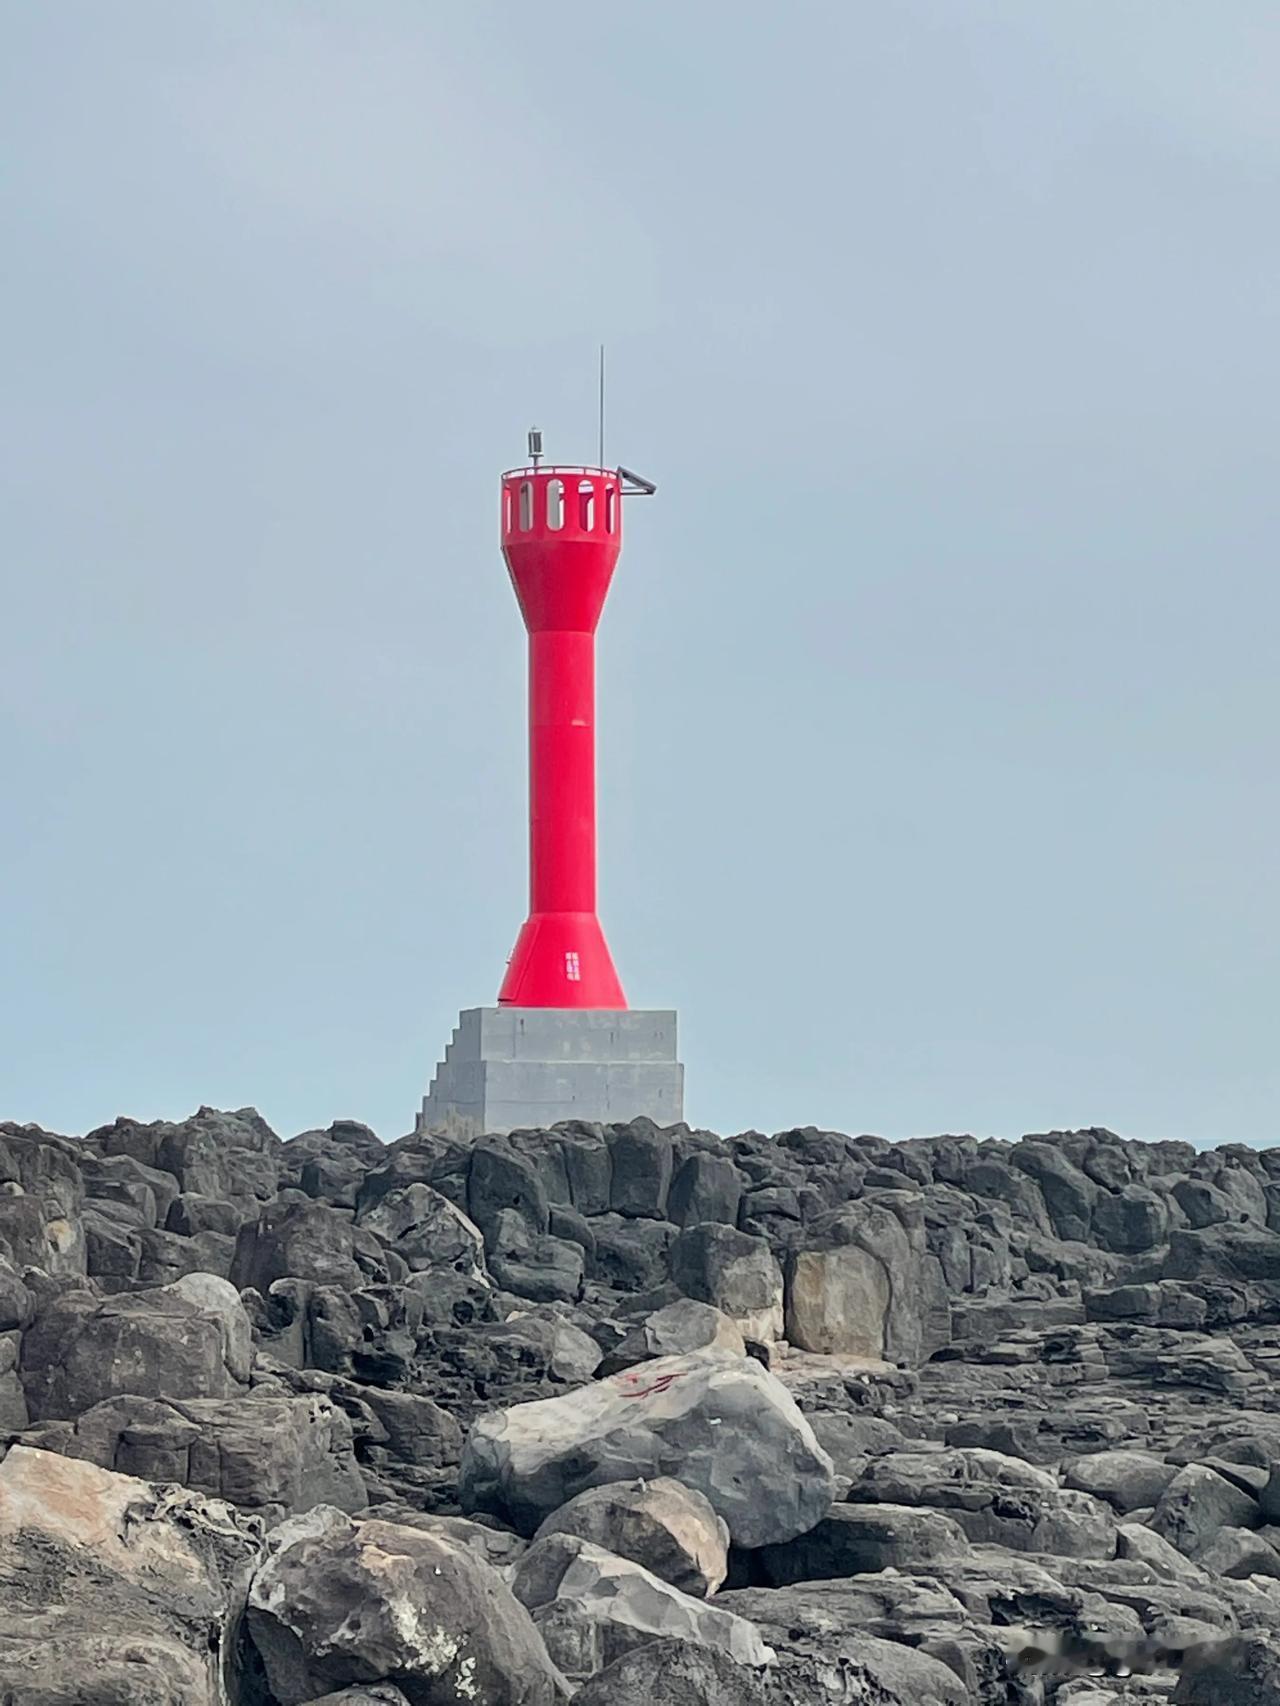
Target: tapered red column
<point>561,534</point>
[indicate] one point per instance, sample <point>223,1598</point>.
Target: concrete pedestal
<point>508,1068</point>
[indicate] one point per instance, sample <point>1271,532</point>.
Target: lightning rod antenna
<point>601,462</point>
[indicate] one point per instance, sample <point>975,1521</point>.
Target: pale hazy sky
<point>939,690</point>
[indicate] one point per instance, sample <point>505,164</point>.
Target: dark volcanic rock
<point>1243,1673</point>
<point>297,1239</point>
<point>733,1271</point>
<point>855,1540</point>
<point>1044,1373</point>
<point>706,1188</point>
<point>157,1343</point>
<point>502,1181</point>
<point>266,1452</point>
<point>337,1602</point>
<point>995,1499</point>
<point>113,1592</point>
<point>642,1158</point>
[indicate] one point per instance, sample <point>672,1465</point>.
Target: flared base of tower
<point>528,1068</point>
<point>561,959</point>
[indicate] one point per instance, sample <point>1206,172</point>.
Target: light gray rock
<point>721,1424</point>
<point>1196,1504</point>
<point>497,1546</point>
<point>664,1526</point>
<point>592,1606</point>
<point>218,1297</point>
<point>1241,1553</point>
<point>679,1329</point>
<point>1126,1480</point>
<point>1135,1541</point>
<point>855,1288</point>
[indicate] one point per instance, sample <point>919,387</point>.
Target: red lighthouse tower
<point>561,1044</point>
<point>561,535</point>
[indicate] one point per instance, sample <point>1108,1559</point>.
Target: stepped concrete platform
<point>512,1068</point>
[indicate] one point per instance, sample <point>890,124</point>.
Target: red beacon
<point>561,536</point>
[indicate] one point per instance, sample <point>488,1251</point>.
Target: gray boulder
<point>1131,1220</point>
<point>996,1500</point>
<point>721,1424</point>
<point>337,1602</point>
<point>163,1343</point>
<point>17,1305</point>
<point>666,1527</point>
<point>849,1439</point>
<point>295,1238</point>
<point>855,1540</point>
<point>123,1187</point>
<point>497,1546</point>
<point>1269,1498</point>
<point>678,1329</point>
<point>116,1593</point>
<point>500,1181</point>
<point>671,1672</point>
<point>1196,1504</point>
<point>267,1452</point>
<point>631,1254</point>
<point>418,1430</point>
<point>1142,1545</point>
<point>1069,1195</point>
<point>426,1230</point>
<point>233,1156</point>
<point>537,1266</point>
<point>591,1607</point>
<point>42,1165</point>
<point>190,1214</point>
<point>870,1641</point>
<point>854,1289</point>
<point>1126,1480</point>
<point>372,1694</point>
<point>1240,1553</point>
<point>1224,1252</point>
<point>35,1232</point>
<point>1244,1672</point>
<point>642,1159</point>
<point>706,1187</point>
<point>734,1272</point>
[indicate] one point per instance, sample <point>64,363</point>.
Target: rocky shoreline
<point>634,1415</point>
